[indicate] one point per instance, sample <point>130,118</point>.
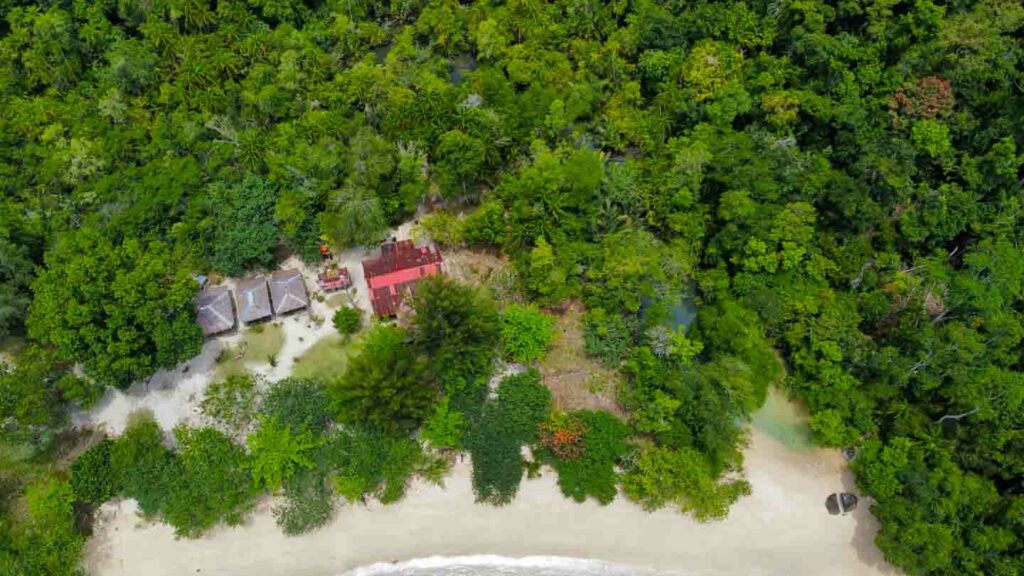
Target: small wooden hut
<point>253,300</point>
<point>215,311</point>
<point>288,291</point>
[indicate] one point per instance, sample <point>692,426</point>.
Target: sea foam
<point>491,565</point>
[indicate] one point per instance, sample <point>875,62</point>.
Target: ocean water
<point>485,565</point>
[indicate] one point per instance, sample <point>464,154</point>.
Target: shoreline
<point>781,529</point>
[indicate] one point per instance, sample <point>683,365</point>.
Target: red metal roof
<point>391,276</point>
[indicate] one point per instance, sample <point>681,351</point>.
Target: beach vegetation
<point>233,401</point>
<point>387,385</point>
<point>298,403</point>
<point>585,448</point>
<point>278,451</point>
<point>92,478</point>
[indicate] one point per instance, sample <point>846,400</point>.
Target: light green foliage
<point>607,336</point>
<point>278,451</point>
<point>42,545</point>
<point>387,385</point>
<point>682,478</point>
<point>445,428</point>
<point>526,332</point>
<point>122,310</point>
<point>347,320</point>
<point>232,402</point>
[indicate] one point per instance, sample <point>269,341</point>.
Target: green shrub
<point>608,337</point>
<point>232,402</point>
<point>526,332</point>
<point>213,483</point>
<point>92,477</point>
<point>347,320</point>
<point>277,452</point>
<point>46,543</point>
<point>82,390</point>
<point>445,428</point>
<point>367,463</point>
<point>593,472</point>
<point>387,385</point>
<point>683,478</point>
<point>144,469</point>
<point>307,505</point>
<point>485,226</point>
<point>298,403</point>
<point>524,403</point>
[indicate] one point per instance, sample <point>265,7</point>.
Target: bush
<point>456,326</point>
<point>298,403</point>
<point>92,478</point>
<point>592,473</point>
<point>524,403</point>
<point>608,337</point>
<point>485,226</point>
<point>308,503</point>
<point>277,452</point>
<point>347,320</point>
<point>144,469</point>
<point>232,402</point>
<point>526,332</point>
<point>445,428</point>
<point>684,478</point>
<point>47,544</point>
<point>212,484</point>
<point>368,463</point>
<point>82,390</point>
<point>387,385</point>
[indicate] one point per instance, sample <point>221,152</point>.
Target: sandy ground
<point>782,529</point>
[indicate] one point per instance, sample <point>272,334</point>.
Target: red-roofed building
<point>391,276</point>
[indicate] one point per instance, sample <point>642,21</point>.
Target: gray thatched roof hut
<point>288,291</point>
<point>214,310</point>
<point>253,300</point>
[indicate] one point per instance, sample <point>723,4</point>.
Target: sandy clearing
<point>782,529</point>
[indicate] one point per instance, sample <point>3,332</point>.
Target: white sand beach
<point>782,529</point>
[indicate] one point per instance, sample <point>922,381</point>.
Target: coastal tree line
<point>840,185</point>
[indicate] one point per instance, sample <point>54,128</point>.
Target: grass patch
<point>327,358</point>
<point>259,344</point>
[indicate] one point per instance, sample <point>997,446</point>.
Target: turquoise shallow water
<point>784,420</point>
<point>486,565</point>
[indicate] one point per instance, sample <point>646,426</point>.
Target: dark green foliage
<point>457,328</point>
<point>367,463</point>
<point>298,403</point>
<point>145,470</point>
<point>387,385</point>
<point>524,403</point>
<point>593,473</point>
<point>29,392</point>
<point>497,435</point>
<point>347,320</point>
<point>122,310</point>
<point>92,478</point>
<point>242,225</point>
<point>607,336</point>
<point>212,483</point>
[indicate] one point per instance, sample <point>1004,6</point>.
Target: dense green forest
<point>840,182</point>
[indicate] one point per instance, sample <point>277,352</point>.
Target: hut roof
<point>215,311</point>
<point>288,291</point>
<point>253,300</point>
<point>391,276</point>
